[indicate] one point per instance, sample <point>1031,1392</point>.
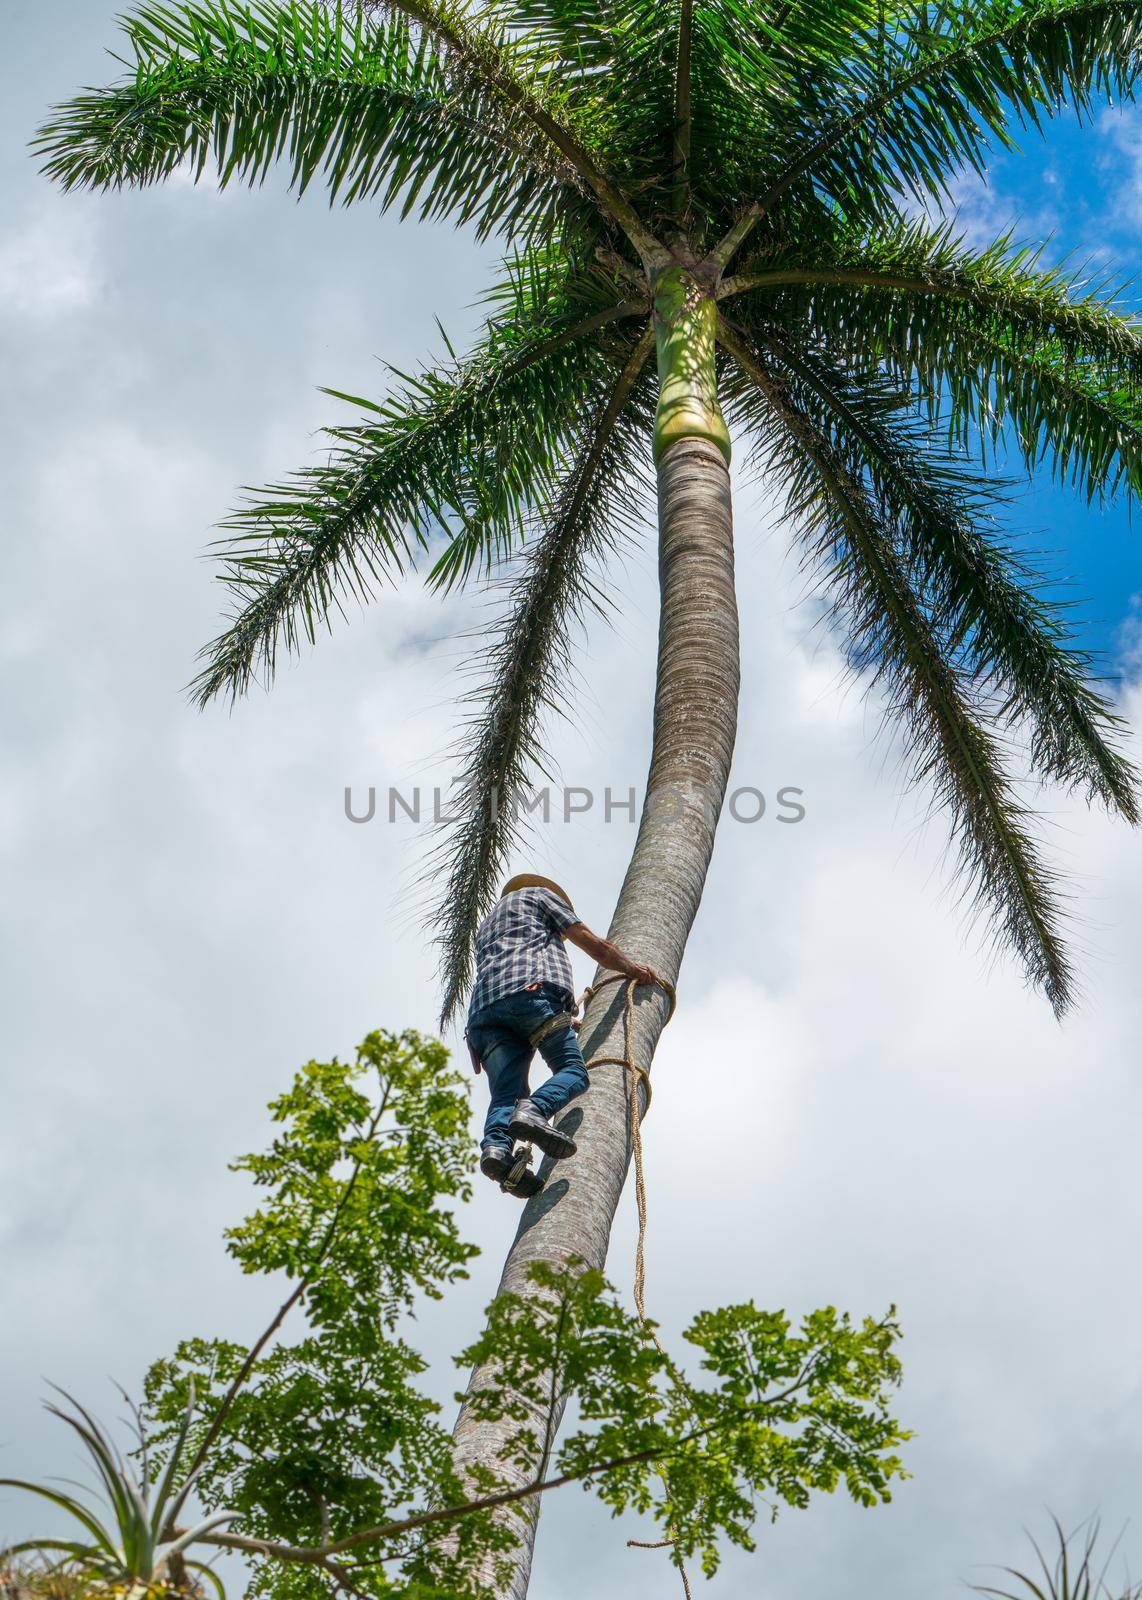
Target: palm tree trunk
<point>695,720</point>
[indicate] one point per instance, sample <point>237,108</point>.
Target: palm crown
<point>742,187</point>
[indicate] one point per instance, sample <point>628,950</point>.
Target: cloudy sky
<point>854,1105</point>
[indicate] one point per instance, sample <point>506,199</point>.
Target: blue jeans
<point>499,1034</point>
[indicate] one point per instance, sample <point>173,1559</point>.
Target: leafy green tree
<point>734,188</point>
<point>322,1453</point>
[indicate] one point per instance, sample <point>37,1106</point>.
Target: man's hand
<point>609,955</point>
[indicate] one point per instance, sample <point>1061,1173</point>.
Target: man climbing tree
<point>740,190</point>
<point>523,1000</point>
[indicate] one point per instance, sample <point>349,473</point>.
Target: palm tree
<point>745,190</point>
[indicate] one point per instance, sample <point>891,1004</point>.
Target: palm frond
<point>515,70</point>
<point>914,270</point>
<point>596,498</point>
<point>621,75</point>
<point>948,741</point>
<point>915,101</point>
<point>986,604</point>
<point>1008,352</point>
<point>475,442</point>
<point>751,67</point>
<point>369,108</point>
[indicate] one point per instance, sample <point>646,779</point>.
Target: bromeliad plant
<point>711,209</point>
<point>124,1547</point>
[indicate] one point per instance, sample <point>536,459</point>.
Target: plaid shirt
<point>519,943</point>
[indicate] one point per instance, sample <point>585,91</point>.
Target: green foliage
<point>367,1150</point>
<point>332,1458</point>
<point>779,1416</point>
<point>607,140</point>
<point>322,1435</point>
<point>365,108</point>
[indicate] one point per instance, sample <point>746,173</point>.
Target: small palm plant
<point>1073,1575</point>
<point>127,1545</point>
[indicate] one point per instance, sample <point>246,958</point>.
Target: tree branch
<point>283,1311</point>
<point>612,201</point>
<point>858,277</point>
<point>315,1556</point>
<point>680,190</point>
<point>939,281</point>
<point>727,247</point>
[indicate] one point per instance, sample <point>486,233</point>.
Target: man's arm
<point>609,955</point>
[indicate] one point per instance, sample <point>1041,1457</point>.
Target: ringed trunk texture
<point>695,721</point>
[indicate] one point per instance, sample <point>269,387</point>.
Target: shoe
<point>496,1161</point>
<point>511,1169</point>
<point>529,1124</point>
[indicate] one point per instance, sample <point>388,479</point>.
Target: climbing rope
<point>638,1074</point>
<point>662,1544</point>
<point>555,1024</point>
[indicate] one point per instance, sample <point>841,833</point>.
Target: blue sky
<point>189,916</point>
<point>1077,191</point>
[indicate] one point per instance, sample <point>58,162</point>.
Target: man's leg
<point>505,1058</point>
<point>569,1077</point>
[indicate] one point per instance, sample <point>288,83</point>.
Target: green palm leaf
<point>101,1539</point>
<point>529,663</point>
<point>1007,351</point>
<point>474,442</point>
<point>949,743</point>
<point>983,600</point>
<point>365,107</point>
<point>922,274</point>
<point>921,97</point>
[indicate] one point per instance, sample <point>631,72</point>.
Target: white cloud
<point>1130,640</point>
<point>984,212</point>
<point>1121,163</point>
<point>49,261</point>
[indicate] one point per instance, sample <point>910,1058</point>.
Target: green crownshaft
<point>685,323</point>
